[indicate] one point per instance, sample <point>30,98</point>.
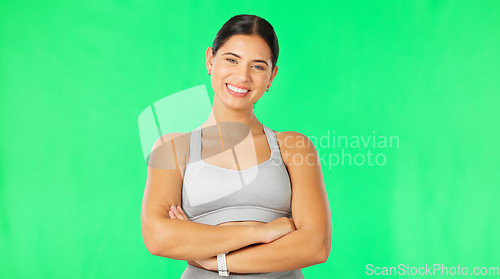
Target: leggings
<point>194,272</point>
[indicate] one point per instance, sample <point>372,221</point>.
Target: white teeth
<point>235,89</point>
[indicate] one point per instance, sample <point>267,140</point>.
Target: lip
<point>238,86</point>
<point>236,93</point>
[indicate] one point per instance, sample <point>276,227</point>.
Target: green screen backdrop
<point>401,97</point>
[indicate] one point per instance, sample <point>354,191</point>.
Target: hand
<point>208,263</point>
<point>278,228</point>
<point>176,212</point>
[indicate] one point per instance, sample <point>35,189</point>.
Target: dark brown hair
<point>248,25</point>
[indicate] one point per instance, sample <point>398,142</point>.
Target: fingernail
<point>179,207</point>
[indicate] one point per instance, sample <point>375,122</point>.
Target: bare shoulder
<point>177,138</point>
<point>291,140</point>
<point>295,147</point>
<point>292,137</point>
<point>170,151</point>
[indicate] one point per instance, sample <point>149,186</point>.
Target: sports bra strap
<point>195,145</point>
<point>272,140</point>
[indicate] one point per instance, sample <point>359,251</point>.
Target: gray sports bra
<point>213,195</point>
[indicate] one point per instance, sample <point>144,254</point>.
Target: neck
<point>221,113</point>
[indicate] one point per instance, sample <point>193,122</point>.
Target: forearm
<point>298,249</point>
<point>185,240</point>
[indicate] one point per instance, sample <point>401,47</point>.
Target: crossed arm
<point>309,244</point>
<point>244,260</point>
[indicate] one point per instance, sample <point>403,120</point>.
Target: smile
<point>237,91</point>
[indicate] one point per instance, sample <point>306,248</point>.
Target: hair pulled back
<point>248,25</point>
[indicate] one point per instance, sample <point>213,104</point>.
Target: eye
<point>259,67</point>
<point>231,60</point>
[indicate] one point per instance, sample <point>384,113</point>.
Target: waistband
<point>194,272</point>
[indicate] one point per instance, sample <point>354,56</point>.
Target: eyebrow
<point>257,60</point>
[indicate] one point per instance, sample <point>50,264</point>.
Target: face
<point>241,71</point>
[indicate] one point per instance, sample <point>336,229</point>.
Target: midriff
<point>236,223</point>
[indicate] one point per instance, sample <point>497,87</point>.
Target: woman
<point>238,197</point>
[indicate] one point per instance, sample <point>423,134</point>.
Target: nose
<point>242,73</point>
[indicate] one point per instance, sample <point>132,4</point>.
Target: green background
<point>75,75</point>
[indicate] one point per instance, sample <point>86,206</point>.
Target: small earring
<point>209,73</point>
<point>267,90</point>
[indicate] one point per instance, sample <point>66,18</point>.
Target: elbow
<point>159,244</point>
<point>152,245</point>
<point>323,255</point>
<point>157,247</point>
<point>319,246</point>
<point>323,251</point>
<point>152,249</point>
<point>157,251</point>
<point>163,248</point>
<point>154,240</point>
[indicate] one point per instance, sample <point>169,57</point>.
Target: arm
<point>311,243</point>
<point>182,239</point>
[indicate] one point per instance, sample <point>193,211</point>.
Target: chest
<point>228,153</point>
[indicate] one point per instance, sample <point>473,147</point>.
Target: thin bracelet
<point>221,264</point>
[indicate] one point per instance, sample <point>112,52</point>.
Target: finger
<point>177,213</point>
<point>182,212</point>
<point>171,214</point>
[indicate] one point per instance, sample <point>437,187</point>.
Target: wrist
<point>213,264</point>
<point>258,234</point>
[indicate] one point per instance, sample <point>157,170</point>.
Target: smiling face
<point>241,71</point>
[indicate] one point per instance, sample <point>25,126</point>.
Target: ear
<point>210,59</point>
<point>275,71</point>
